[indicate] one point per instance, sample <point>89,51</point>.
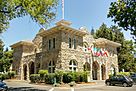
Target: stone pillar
<point>28,72</point>
<point>22,72</point>
<point>106,70</point>
<point>100,72</point>
<point>91,69</point>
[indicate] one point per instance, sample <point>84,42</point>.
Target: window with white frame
<point>51,67</point>
<point>73,65</point>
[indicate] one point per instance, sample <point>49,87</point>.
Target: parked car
<point>3,86</point>
<point>125,81</point>
<point>133,76</point>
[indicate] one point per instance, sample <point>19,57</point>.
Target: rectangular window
<point>49,44</point>
<point>70,43</point>
<point>54,43</point>
<point>74,43</point>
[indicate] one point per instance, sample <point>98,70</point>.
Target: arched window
<point>51,67</point>
<point>73,65</point>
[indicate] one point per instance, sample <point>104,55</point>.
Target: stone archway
<point>86,66</point>
<point>103,71</point>
<point>95,70</point>
<point>25,71</point>
<point>31,68</point>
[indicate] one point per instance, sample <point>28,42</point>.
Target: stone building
<point>65,48</point>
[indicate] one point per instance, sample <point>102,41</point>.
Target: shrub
<point>124,73</point>
<point>75,76</point>
<point>4,76</point>
<point>42,73</point>
<point>50,78</point>
<point>11,74</point>
<point>35,78</point>
<point>59,76</point>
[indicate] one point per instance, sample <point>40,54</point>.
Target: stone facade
<point>65,48</point>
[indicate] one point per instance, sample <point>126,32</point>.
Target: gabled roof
<point>22,43</point>
<point>101,41</point>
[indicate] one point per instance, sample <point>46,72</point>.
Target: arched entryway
<point>25,71</point>
<point>86,66</point>
<point>31,68</point>
<point>103,70</point>
<point>95,69</point>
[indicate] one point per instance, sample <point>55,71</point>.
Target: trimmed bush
<point>75,76</point>
<point>11,74</point>
<point>50,78</point>
<point>35,78</point>
<point>42,73</point>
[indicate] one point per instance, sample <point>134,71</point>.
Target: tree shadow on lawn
<point>24,89</point>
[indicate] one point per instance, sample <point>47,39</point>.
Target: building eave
<point>22,43</point>
<point>62,27</point>
<point>102,41</point>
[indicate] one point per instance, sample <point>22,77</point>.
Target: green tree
<point>126,56</point>
<point>123,12</point>
<point>104,32</point>
<point>41,11</point>
<point>1,56</point>
<point>118,36</point>
<point>6,58</point>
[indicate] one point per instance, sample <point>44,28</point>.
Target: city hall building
<point>65,48</point>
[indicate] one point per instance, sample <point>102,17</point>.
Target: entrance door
<point>31,68</point>
<point>103,70</point>
<point>25,72</point>
<point>95,70</point>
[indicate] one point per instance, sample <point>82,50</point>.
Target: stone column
<point>22,72</point>
<point>28,71</point>
<point>106,70</point>
<point>100,72</point>
<point>91,69</point>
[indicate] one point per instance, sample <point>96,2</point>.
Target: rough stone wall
<point>38,43</point>
<point>54,53</point>
<point>17,55</point>
<point>68,54</point>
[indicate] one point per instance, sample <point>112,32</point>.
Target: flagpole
<point>62,9</point>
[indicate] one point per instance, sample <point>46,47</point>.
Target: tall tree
<point>104,32</point>
<point>118,35</point>
<point>126,56</point>
<point>6,58</point>
<point>123,12</point>
<point>41,11</point>
<point>1,56</point>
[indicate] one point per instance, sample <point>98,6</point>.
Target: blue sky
<point>88,13</point>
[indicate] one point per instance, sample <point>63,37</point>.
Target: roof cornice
<point>22,43</point>
<point>103,41</point>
